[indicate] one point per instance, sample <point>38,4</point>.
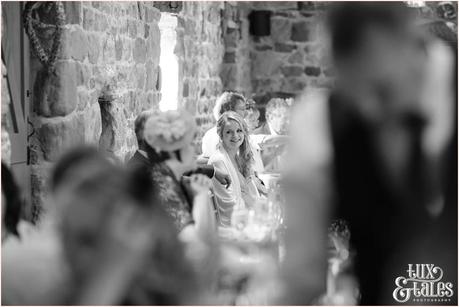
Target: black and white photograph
<point>220,153</point>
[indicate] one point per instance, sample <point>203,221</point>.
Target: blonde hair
<point>245,158</point>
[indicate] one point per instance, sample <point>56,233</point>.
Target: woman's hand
<point>200,184</point>
<point>223,178</point>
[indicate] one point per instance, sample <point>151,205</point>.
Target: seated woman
<point>235,157</point>
<point>168,136</point>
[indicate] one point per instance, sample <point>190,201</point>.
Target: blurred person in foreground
<point>110,244</point>
<point>120,248</point>
<point>371,153</point>
<point>34,267</point>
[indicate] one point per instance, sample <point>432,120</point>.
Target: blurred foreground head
<point>89,191</point>
<point>107,216</point>
<point>376,47</point>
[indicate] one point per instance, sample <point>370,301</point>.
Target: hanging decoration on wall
<point>55,19</point>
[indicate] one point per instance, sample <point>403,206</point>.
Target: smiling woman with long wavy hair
<point>234,156</point>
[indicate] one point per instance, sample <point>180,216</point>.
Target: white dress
<point>242,193</point>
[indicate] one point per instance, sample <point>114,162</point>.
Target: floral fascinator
<point>170,130</point>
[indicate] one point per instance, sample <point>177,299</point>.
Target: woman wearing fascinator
<point>169,136</point>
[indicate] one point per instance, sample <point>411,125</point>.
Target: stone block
<point>293,85</point>
<point>228,75</point>
<point>60,134</point>
<point>113,30</point>
<point>132,28</point>
<point>106,7</point>
<point>55,94</point>
<point>94,42</point>
<point>140,29</point>
<point>280,47</point>
<point>83,74</point>
<point>153,46</point>
<point>186,89</point>
<point>229,57</point>
<point>214,14</point>
<point>266,85</point>
<point>152,74</point>
<point>127,49</point>
<point>140,50</point>
<point>72,11</point>
<point>78,47</point>
<point>301,31</point>
<point>263,47</point>
<point>296,58</point>
<point>280,29</point>
<point>108,49</point>
<point>274,5</point>
<point>146,31</point>
<point>266,64</point>
<point>292,71</point>
<point>118,48</point>
<point>140,76</point>
<point>312,71</point>
<point>88,19</point>
<point>92,122</point>
<point>231,38</point>
<point>83,98</point>
<point>101,23</point>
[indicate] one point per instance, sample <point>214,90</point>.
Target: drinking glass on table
<point>239,218</point>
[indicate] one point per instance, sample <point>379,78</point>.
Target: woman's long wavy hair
<point>245,157</point>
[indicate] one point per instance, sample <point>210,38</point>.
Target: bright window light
<point>168,62</point>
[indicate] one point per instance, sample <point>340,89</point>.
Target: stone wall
<point>294,56</point>
<point>106,73</point>
<point>235,71</point>
<point>281,64</point>
<point>200,50</point>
